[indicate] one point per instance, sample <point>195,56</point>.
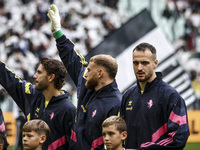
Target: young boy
<point>34,134</point>
<point>114,132</point>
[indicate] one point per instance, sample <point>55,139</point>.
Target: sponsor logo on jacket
<point>129,107</point>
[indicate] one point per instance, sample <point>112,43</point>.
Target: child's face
<point>113,138</point>
<point>31,140</point>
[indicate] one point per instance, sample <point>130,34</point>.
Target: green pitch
<point>192,146</point>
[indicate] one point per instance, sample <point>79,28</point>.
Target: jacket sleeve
<point>18,89</point>
<point>72,60</point>
<point>175,132</point>
<point>69,120</point>
<point>122,109</point>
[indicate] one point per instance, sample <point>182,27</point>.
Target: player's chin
<point>86,85</point>
<point>26,146</point>
<point>140,79</point>
<point>108,146</point>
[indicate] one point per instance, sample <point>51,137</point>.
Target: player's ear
<point>100,73</point>
<point>51,77</point>
<point>1,146</point>
<point>155,63</point>
<point>123,135</point>
<point>43,138</point>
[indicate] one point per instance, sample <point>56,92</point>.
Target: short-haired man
<point>97,91</point>
<point>45,100</point>
<point>155,113</point>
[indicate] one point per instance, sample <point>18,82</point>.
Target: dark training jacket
<point>156,119</point>
<point>59,114</point>
<point>93,107</point>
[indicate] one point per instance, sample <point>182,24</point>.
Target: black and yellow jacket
<point>156,119</point>
<point>93,106</point>
<point>59,114</point>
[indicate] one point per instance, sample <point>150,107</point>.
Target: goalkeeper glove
<point>54,16</point>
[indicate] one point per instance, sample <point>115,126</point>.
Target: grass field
<point>192,146</point>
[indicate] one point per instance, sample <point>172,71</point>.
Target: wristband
<point>58,34</point>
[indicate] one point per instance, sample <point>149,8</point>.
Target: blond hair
<point>117,121</point>
<point>108,62</point>
<point>37,125</point>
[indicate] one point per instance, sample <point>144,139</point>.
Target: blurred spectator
<point>88,41</point>
<point>190,34</point>
<point>111,3</point>
<point>196,85</point>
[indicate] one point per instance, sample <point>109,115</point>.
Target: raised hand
<point>54,16</point>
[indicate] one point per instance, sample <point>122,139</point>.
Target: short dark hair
<point>53,66</point>
<point>37,125</point>
<point>117,121</point>
<point>145,46</point>
<point>108,62</point>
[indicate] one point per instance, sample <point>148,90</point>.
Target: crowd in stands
<point>25,35</point>
<point>187,46</point>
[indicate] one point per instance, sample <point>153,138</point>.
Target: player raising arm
<point>97,91</point>
<point>45,100</point>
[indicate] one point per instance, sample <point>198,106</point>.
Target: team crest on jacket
<point>129,103</point>
<point>94,113</point>
<point>51,115</point>
<point>150,103</point>
<point>2,127</point>
<point>129,107</point>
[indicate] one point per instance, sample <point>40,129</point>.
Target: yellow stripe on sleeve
<point>27,89</point>
<point>16,76</point>
<point>83,61</point>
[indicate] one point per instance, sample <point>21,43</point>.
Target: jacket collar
<point>149,85</point>
<point>63,95</point>
<point>106,89</point>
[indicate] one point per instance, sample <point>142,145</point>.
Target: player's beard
<point>42,85</point>
<point>91,84</point>
<point>146,77</point>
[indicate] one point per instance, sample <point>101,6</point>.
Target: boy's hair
<point>117,121</point>
<point>37,125</point>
